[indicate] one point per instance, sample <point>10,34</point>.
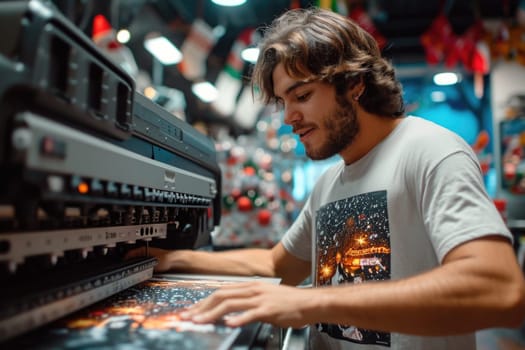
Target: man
<point>403,245</point>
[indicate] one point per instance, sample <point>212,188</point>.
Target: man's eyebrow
<point>293,87</point>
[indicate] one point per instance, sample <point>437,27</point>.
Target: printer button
<point>96,187</point>
<point>125,191</point>
<point>137,193</point>
<point>111,189</point>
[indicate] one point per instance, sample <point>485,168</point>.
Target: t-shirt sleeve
<point>297,240</point>
<point>457,206</point>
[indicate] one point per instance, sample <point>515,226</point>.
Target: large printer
<point>89,169</point>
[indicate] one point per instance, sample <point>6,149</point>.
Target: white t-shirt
<point>394,213</point>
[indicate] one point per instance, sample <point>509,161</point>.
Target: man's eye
<point>303,97</point>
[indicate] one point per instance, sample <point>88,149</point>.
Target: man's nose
<point>291,115</point>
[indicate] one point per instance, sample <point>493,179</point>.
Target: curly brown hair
<point>317,44</point>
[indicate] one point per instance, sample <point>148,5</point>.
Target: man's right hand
<point>162,256</point>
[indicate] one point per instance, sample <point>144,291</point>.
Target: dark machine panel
<point>89,169</point>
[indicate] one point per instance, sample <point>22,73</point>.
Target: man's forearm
<point>462,296</point>
<point>243,262</point>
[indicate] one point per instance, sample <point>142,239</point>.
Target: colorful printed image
<point>353,246</point>
<point>145,316</point>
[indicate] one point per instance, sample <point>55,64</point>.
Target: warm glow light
<point>150,92</point>
<point>361,240</point>
<point>229,2</point>
<point>446,78</point>
<point>83,188</point>
<point>163,50</point>
<point>326,271</point>
<point>205,91</point>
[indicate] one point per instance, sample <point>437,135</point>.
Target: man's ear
<point>358,92</point>
<point>345,82</point>
<point>356,88</point>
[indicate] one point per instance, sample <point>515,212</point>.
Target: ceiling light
<point>229,2</point>
<point>218,31</point>
<point>250,54</point>
<point>446,78</point>
<point>163,50</point>
<point>205,91</point>
<point>123,36</point>
<point>438,96</point>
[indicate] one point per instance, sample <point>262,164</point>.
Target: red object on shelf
<point>501,205</point>
<point>361,17</point>
<point>104,33</point>
<point>244,204</point>
<point>264,217</point>
<point>438,39</point>
<point>249,171</point>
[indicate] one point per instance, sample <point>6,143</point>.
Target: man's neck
<point>373,130</point>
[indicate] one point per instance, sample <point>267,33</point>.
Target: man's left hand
<point>258,301</point>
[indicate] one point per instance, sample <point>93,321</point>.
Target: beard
<point>341,127</point>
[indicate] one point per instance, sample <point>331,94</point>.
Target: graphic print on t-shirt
<point>353,246</point>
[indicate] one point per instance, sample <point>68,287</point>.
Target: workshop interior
<point>127,124</point>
